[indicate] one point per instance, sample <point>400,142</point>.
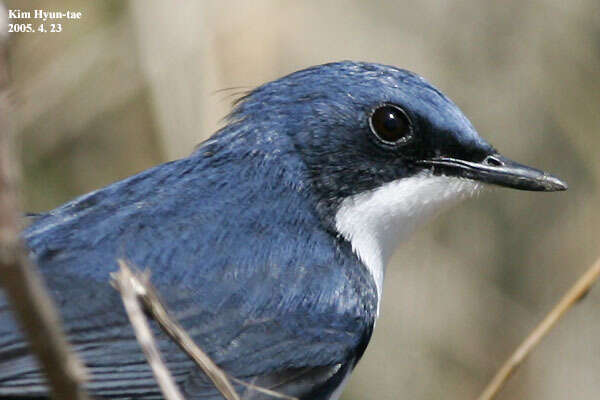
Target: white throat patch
<point>374,222</point>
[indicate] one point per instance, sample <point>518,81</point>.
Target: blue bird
<point>269,242</point>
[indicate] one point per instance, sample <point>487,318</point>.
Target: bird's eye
<point>390,124</point>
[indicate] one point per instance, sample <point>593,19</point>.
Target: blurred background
<point>135,83</point>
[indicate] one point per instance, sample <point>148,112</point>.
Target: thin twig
<point>33,307</point>
<point>153,306</point>
<point>577,291</point>
<point>128,285</point>
<point>176,332</point>
<point>263,390</point>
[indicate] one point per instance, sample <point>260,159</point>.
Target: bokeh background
<point>135,83</point>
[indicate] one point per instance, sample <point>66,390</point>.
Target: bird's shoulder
<point>209,216</point>
<point>235,249</point>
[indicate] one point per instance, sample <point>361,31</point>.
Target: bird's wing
<point>292,353</point>
<point>264,304</point>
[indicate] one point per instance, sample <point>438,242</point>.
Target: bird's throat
<point>374,222</point>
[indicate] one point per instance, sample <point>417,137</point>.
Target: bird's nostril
<point>493,161</point>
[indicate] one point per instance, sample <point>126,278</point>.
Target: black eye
<point>390,124</point>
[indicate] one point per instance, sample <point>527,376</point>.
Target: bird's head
<point>383,148</point>
<point>359,126</point>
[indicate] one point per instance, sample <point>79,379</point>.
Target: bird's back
<point>244,267</point>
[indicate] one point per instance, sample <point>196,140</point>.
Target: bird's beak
<point>498,170</point>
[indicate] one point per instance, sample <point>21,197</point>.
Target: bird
<point>269,242</point>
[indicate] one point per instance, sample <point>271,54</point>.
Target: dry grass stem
<point>263,390</point>
<point>129,287</point>
<point>153,306</point>
<point>577,291</point>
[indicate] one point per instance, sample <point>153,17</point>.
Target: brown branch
<point>31,304</point>
<point>577,291</point>
<point>129,287</point>
<point>153,306</point>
